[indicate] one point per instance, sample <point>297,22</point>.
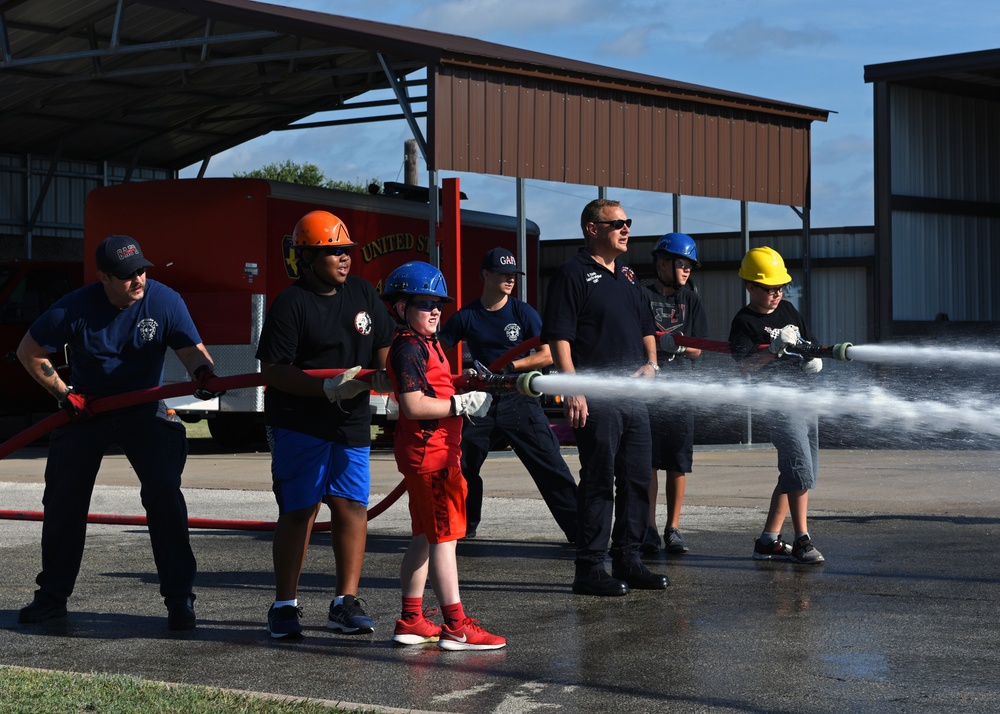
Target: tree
<point>289,171</point>
<point>308,175</point>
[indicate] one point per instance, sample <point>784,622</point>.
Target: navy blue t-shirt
<point>113,351</point>
<point>492,333</point>
<point>603,315</point>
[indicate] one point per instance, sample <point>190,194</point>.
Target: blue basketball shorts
<point>306,469</point>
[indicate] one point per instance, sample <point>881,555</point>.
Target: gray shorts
<point>797,442</point>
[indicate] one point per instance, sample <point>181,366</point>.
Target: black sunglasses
<point>771,291</point>
<point>338,251</point>
<point>617,224</point>
<point>132,276</point>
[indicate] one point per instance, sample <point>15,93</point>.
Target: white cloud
<point>478,18</point>
<point>635,42</point>
<point>752,37</point>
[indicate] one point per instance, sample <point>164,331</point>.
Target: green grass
<point>198,430</point>
<point>29,691</point>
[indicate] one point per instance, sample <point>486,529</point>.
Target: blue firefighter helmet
<point>680,245</point>
<point>415,279</point>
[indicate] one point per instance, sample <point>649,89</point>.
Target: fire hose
<point>483,380</point>
<point>803,349</point>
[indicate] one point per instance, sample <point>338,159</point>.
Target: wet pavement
<point>901,617</point>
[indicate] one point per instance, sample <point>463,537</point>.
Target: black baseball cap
<point>500,260</point>
<point>120,256</point>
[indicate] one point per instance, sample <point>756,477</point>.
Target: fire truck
<point>225,246</point>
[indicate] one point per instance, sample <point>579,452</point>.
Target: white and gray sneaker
<point>775,550</point>
<point>803,551</point>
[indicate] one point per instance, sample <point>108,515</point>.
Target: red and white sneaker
<point>469,636</point>
<point>417,630</point>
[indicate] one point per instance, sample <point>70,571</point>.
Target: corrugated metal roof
<point>167,83</point>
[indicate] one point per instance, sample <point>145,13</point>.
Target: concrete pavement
<point>901,618</point>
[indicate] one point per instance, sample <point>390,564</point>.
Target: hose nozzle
<point>482,379</point>
<point>807,349</point>
<point>524,383</point>
<point>840,351</point>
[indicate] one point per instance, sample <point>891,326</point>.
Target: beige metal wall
<point>841,292</point>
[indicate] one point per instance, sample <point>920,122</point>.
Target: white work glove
<point>812,366</point>
<point>344,386</point>
<point>472,404</point>
<point>669,345</point>
<point>381,382</point>
<point>788,336</point>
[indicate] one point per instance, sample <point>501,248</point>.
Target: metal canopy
<point>972,74</point>
<point>168,83</point>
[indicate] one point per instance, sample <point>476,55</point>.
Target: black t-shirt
<point>750,329</point>
<point>314,331</point>
<point>679,314</point>
<point>603,315</point>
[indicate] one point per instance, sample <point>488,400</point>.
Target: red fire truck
<point>224,245</point>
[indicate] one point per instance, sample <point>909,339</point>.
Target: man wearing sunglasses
<point>597,322</point>
<point>117,331</point>
<point>491,326</point>
<point>319,430</point>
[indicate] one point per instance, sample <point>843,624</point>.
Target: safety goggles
<point>427,305</point>
<point>337,251</point>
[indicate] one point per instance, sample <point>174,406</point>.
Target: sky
<point>803,52</point>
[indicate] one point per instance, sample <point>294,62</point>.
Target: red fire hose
<point>100,405</point>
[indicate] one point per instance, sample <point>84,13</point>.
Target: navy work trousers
<point>157,450</point>
<point>615,453</point>
<point>517,420</point>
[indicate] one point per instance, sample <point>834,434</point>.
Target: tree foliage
<point>308,175</point>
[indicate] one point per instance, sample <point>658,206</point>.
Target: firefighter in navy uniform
<point>118,330</point>
<point>492,326</point>
<point>677,310</point>
<point>596,321</point>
